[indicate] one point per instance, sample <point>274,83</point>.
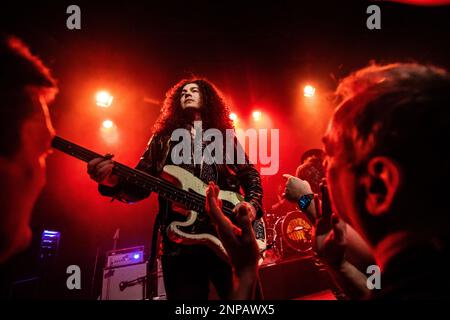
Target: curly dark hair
<point>215,113</point>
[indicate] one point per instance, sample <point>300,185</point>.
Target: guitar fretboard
<point>190,200</point>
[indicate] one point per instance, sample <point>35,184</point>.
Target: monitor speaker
<point>124,282</point>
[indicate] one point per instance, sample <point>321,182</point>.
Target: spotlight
<point>233,116</point>
<point>107,124</point>
<point>109,131</point>
<point>104,99</point>
<point>256,115</point>
<point>49,244</point>
<point>309,91</point>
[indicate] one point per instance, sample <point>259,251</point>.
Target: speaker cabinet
<point>125,282</point>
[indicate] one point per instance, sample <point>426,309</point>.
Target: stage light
<point>233,116</point>
<point>104,99</point>
<point>309,91</point>
<point>256,115</point>
<point>109,131</point>
<point>107,124</point>
<point>49,244</point>
<point>136,256</point>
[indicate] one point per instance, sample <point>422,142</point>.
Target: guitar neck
<point>74,150</point>
<point>192,201</point>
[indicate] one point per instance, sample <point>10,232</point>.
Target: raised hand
<point>295,188</point>
<point>239,242</point>
<point>329,239</point>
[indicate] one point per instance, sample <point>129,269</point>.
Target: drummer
<point>301,190</point>
<point>310,173</point>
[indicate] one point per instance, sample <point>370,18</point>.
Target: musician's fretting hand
<point>101,170</point>
<point>295,188</point>
<point>239,242</point>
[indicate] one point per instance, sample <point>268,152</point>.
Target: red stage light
<point>104,99</point>
<point>256,115</point>
<point>107,124</point>
<point>309,91</point>
<point>109,132</point>
<point>233,116</point>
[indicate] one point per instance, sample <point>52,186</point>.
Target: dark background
<point>260,54</point>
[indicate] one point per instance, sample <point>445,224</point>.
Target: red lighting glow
<point>104,99</point>
<point>107,124</point>
<point>109,132</point>
<point>309,91</point>
<point>233,116</point>
<point>256,115</point>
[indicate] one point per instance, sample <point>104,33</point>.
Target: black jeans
<point>187,274</point>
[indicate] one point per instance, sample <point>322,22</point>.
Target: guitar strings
<point>199,197</point>
<point>87,155</point>
<point>142,177</point>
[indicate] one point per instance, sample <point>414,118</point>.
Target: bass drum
<point>294,234</point>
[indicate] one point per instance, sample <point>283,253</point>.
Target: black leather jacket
<point>231,177</point>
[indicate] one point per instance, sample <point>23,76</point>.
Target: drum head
<point>297,230</point>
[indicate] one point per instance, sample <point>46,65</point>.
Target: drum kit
<point>288,235</point>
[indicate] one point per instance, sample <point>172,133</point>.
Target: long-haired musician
<point>188,269</point>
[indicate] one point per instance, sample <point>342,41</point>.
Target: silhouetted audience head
<point>387,151</point>
<point>26,87</point>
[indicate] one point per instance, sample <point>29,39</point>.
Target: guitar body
<point>186,192</point>
<point>196,229</point>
